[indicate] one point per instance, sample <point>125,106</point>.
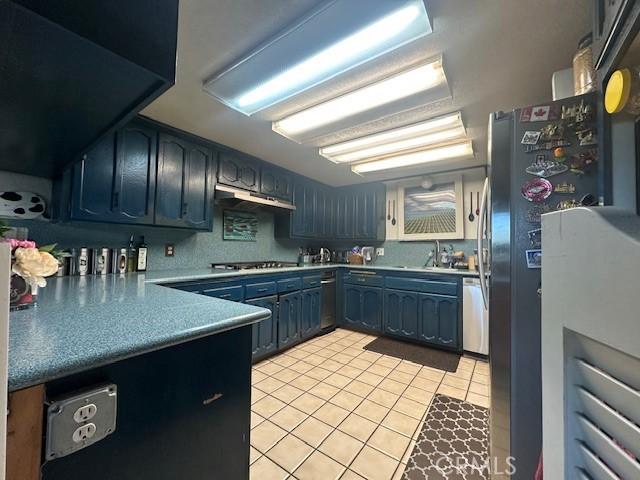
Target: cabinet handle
<point>185,209</point>
<point>262,289</point>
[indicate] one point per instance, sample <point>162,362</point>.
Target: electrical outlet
<point>85,413</point>
<point>169,250</point>
<point>380,252</point>
<point>84,432</point>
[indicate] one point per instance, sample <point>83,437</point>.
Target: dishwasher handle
<point>326,282</point>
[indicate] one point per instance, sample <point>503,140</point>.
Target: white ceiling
<point>498,55</point>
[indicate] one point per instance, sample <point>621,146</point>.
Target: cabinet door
<point>135,179</point>
<point>198,188</point>
<point>275,183</point>
<point>428,318</point>
<point>288,319</point>
<point>448,321</point>
<point>93,182</point>
<point>303,218</point>
<point>438,320</point>
<point>310,317</point>
<point>401,313</point>
<point>344,215</point>
<point>372,308</point>
<point>265,333</point>
<point>325,218</point>
<point>184,191</point>
<point>238,172</point>
<point>352,305</point>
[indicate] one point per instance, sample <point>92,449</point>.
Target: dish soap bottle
<point>132,257</point>
<point>142,256</point>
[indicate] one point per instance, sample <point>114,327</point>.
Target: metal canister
<point>122,261</point>
<point>83,261</point>
<point>101,261</point>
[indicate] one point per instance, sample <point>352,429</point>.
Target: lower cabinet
<point>401,313</point>
<point>438,320</point>
<point>265,333</point>
<point>363,307</point>
<point>310,317</point>
<point>289,319</point>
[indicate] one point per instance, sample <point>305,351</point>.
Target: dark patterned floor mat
<point>453,443</point>
<point>429,357</point>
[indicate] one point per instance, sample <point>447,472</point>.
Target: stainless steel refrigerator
<point>541,158</point>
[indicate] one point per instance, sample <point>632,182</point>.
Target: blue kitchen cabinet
<point>184,194</point>
<point>276,183</point>
<point>238,171</point>
<point>401,313</point>
<point>362,307</point>
<point>325,214</point>
<point>304,217</point>
<point>265,333</point>
<point>344,215</point>
<point>289,319</point>
<point>438,320</point>
<point>115,181</point>
<point>310,316</point>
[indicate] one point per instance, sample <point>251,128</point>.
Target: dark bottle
<point>132,257</point>
<point>142,256</point>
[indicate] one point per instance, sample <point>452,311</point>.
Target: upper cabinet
<point>141,175</point>
<point>184,192</point>
<point>237,171</point>
<point>276,183</point>
<point>102,61</point>
<point>324,213</point>
<point>615,26</point>
<point>115,181</point>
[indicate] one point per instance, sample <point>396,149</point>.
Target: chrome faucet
<point>434,255</point>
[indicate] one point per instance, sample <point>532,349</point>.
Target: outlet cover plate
<point>61,423</point>
<point>380,252</point>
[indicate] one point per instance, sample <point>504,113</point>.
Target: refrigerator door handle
<point>481,227</point>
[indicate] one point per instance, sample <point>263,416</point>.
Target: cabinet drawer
<point>263,289</point>
<point>227,293</point>
<point>426,286</point>
<point>311,281</point>
<point>364,279</point>
<point>289,284</point>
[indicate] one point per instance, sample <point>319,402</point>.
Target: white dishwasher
<point>475,318</point>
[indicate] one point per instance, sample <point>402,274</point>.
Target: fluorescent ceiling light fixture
<point>401,85</point>
<point>458,150</point>
<point>332,39</point>
<point>411,137</point>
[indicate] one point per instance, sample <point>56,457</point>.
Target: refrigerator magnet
<point>545,168</point>
<point>537,190</point>
<point>530,137</point>
<point>551,132</point>
<point>547,146</point>
<point>534,258</point>
<point>535,237</point>
<point>564,187</point>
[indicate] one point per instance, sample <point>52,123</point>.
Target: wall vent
<point>602,411</point>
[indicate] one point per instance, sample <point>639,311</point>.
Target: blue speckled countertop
<point>186,275</point>
<point>86,322</point>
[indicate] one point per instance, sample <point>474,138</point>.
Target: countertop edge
<point>89,363</point>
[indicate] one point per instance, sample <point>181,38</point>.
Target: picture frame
<point>435,213</point>
<point>534,258</point>
<point>238,225</point>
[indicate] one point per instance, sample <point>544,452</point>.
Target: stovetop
<point>252,265</point>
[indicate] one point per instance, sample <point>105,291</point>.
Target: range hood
<point>243,200</point>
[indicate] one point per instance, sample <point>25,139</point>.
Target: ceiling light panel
<point>419,135</point>
<point>330,40</point>
<point>460,150</point>
<point>423,83</point>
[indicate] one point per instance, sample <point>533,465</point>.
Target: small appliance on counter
<point>340,256</point>
<point>304,256</point>
<point>368,255</point>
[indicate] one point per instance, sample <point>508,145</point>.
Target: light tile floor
<point>328,409</point>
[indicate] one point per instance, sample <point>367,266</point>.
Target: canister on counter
<point>101,261</point>
<point>83,261</point>
<point>73,262</point>
<point>121,262</point>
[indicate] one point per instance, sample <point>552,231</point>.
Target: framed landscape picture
<point>434,213</point>
<point>239,225</point>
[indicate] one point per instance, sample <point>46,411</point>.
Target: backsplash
<point>193,250</point>
<point>415,254</point>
